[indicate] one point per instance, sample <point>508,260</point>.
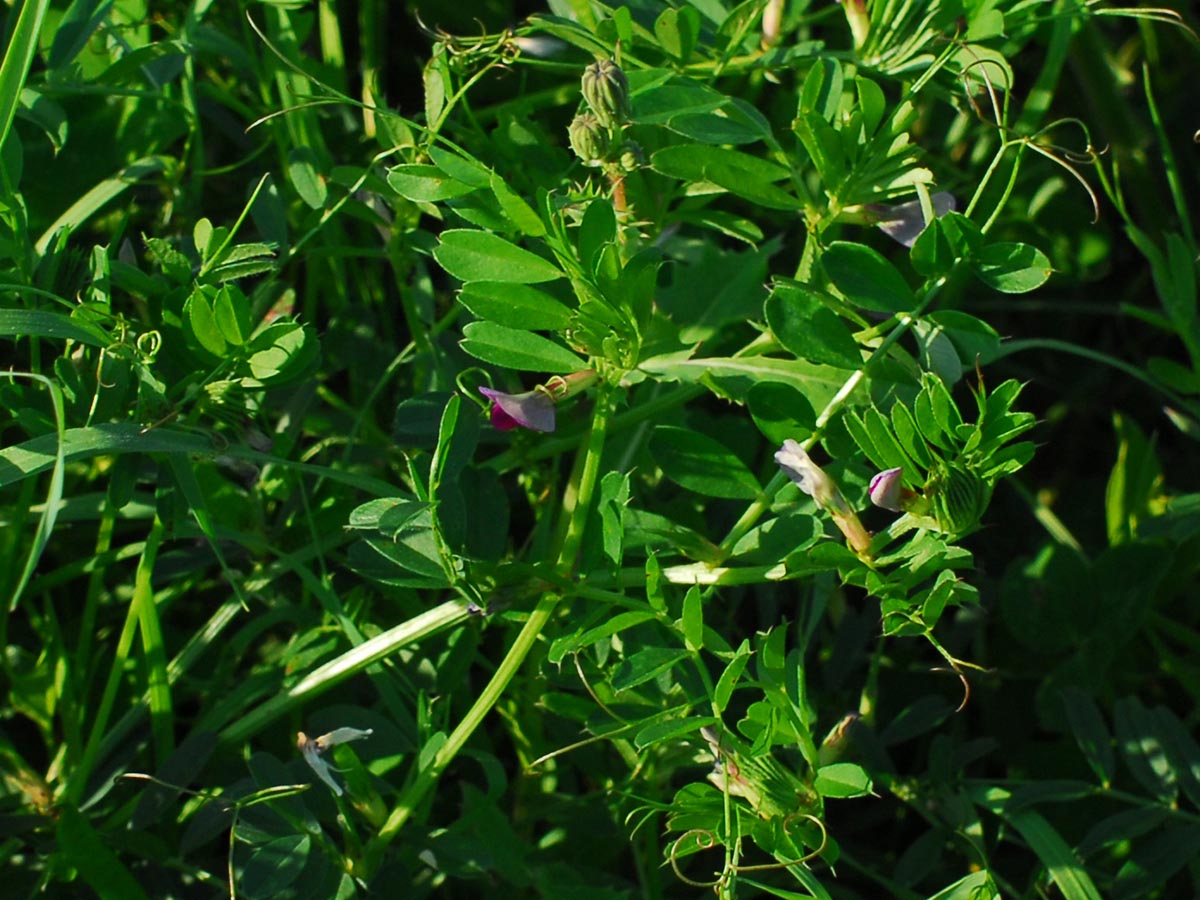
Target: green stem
<point>580,505</point>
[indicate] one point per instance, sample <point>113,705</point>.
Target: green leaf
<point>654,583</point>
<point>22,45</point>
<point>975,340</point>
<point>822,89</point>
<point>719,127</point>
<point>520,350</point>
<point>614,497</point>
<point>202,233</point>
<point>1122,828</point>
<point>646,665</point>
<point>657,732</point>
<point>1156,860</point>
<point>597,230</point>
<point>729,678</point>
<point>739,173</point>
<point>693,619</point>
<point>1012,268</point>
<point>274,866</point>
<point>825,147</point>
<point>514,306</point>
<point>700,464</point>
<point>932,253</point>
<point>465,169</point>
<point>614,625</point>
<point>659,96</point>
<point>807,327</point>
<point>842,780</point>
<point>976,886</point>
<point>716,288</point>
<point>302,173</point>
<point>96,863</point>
<point>471,255</point>
<point>281,351</point>
<point>202,322</point>
<point>520,213</point>
<point>738,375</point>
<point>1091,734</point>
<point>425,184</point>
<point>457,437</point>
<point>1143,749</point>
<point>866,279</point>
<point>1061,864</point>
<point>677,31</point>
<point>231,311</point>
<point>18,323</point>
<point>781,412</point>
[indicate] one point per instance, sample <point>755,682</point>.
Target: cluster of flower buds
<point>595,135</point>
<point>535,409</point>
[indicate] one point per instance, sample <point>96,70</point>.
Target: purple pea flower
<point>533,409</point>
<point>904,222</point>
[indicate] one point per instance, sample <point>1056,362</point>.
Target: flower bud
<point>606,90</point>
<point>885,489</point>
<point>859,19</point>
<point>563,387</point>
<point>959,497</point>
<point>589,139</point>
<point>632,156</point>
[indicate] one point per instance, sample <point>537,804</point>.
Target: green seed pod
<point>958,498</point>
<point>589,139</point>
<point>606,90</point>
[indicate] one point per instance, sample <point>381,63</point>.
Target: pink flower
<point>533,409</point>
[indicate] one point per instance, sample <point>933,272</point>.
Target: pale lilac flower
<point>885,489</point>
<point>905,221</point>
<point>533,409</point>
<point>313,750</point>
<point>809,477</point>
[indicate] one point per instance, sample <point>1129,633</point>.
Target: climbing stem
<point>577,503</point>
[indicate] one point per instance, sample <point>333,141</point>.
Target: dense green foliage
<point>441,384</point>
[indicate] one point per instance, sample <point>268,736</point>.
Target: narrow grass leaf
<point>97,865</point>
<point>17,58</point>
<point>18,323</point>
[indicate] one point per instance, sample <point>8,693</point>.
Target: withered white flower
<point>313,750</point>
<point>904,222</point>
